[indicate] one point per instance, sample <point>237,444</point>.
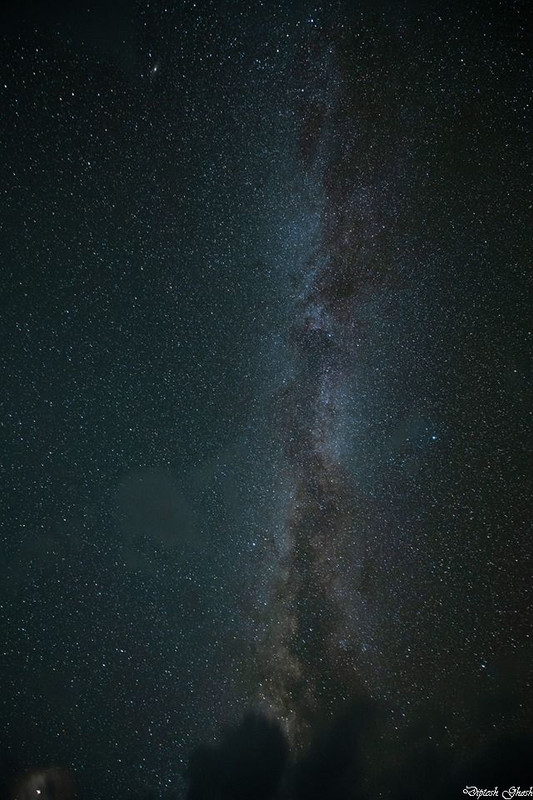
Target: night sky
<point>264,419</point>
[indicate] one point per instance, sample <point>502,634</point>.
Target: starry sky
<point>264,420</point>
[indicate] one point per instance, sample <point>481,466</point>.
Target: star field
<point>265,320</point>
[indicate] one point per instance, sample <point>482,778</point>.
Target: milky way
<point>317,656</point>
